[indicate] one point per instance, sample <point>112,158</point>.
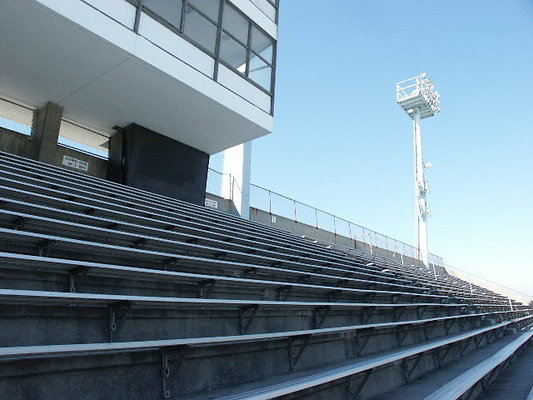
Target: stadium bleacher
<point>111,292</point>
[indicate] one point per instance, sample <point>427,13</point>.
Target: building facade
<point>156,86</point>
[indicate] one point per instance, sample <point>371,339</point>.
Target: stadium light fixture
<point>419,99</point>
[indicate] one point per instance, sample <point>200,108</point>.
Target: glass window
<point>233,53</point>
<point>208,7</point>
<point>262,44</point>
<point>200,29</point>
<point>260,72</point>
<point>235,23</point>
<point>169,10</point>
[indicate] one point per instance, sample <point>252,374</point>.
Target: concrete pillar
<point>236,183</point>
<point>46,132</point>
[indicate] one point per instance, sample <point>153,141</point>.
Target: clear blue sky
<point>341,143</point>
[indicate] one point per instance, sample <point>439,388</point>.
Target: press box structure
<point>162,84</point>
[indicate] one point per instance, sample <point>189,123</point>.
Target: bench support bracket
<point>117,315</point>
<point>294,355</point>
<point>319,315</point>
<point>205,287</point>
<point>353,388</point>
<point>171,367</point>
<point>246,320</point>
<point>409,369</point>
<point>73,277</point>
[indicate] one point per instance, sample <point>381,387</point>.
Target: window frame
<point>142,8</point>
<point>250,51</point>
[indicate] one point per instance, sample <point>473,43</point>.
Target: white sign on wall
<point>211,203</point>
<point>75,163</point>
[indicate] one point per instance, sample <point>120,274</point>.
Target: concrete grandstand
<point>121,279</point>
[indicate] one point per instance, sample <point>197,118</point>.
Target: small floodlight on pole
<point>419,99</point>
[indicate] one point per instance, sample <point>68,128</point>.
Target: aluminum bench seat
<point>99,183</point>
<point>314,317</point>
<point>38,224</point>
<point>290,385</point>
<point>162,225</point>
<point>29,217</point>
<point>69,350</point>
<point>93,249</point>
<point>466,382</point>
<point>74,268</point>
<point>45,298</point>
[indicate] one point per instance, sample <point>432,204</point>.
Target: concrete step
<point>128,370</point>
<point>452,377</point>
<point>516,381</point>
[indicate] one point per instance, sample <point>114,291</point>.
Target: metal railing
<point>280,205</point>
<point>475,280</point>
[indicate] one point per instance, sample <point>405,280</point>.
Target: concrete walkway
<point>516,382</point>
<point>428,384</point>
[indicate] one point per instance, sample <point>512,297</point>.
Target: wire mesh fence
<point>84,139</point>
<point>16,116</point>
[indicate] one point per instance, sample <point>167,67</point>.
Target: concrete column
<point>46,132</point>
<point>236,183</point>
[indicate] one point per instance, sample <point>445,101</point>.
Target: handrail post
<point>230,186</point>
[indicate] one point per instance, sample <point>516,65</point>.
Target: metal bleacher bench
<point>466,382</point>
<point>34,239</point>
<point>77,253</point>
<point>43,298</point>
<point>313,379</point>
<point>141,197</point>
<point>164,202</point>
<point>155,238</point>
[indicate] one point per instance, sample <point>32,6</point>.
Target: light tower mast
<point>419,99</point>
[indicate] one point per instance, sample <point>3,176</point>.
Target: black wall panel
<point>150,161</point>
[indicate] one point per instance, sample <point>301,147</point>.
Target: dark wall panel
<point>150,161</point>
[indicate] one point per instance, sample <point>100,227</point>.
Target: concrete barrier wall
<point>26,146</point>
<point>220,203</point>
<point>16,143</point>
<point>322,235</point>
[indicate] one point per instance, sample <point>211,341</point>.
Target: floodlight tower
<point>419,99</point>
